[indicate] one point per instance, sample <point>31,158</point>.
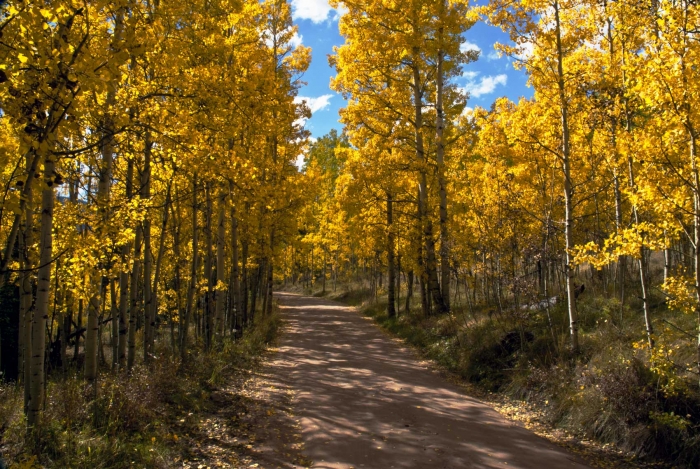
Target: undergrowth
<point>124,420</point>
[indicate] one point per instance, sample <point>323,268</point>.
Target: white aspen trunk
<point>192,290</point>
<point>123,308</point>
<point>25,197</point>
<point>325,264</point>
<point>244,282</point>
<point>91,334</point>
<point>103,198</point>
<point>440,156</point>
<point>124,281</point>
<point>26,316</point>
<point>220,266</point>
<point>134,307</point>
<point>667,258</point>
<point>208,270</point>
<point>237,297</point>
<point>93,327</point>
<point>391,281</point>
<point>115,323</point>
<point>41,313</point>
<point>153,314</point>
<point>568,188</point>
<point>621,264</point>
<point>148,320</point>
<point>641,262</point>
<point>696,233</point>
<point>177,220</point>
<point>270,270</point>
<point>430,265</point>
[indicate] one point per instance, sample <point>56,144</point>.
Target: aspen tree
<point>103,202</point>
<point>540,24</point>
<point>41,312</point>
<point>405,70</point>
<point>220,292</point>
<point>192,289</point>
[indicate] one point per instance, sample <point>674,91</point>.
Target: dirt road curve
<point>363,401</point>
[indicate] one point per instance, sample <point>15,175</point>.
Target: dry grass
<point>124,420</point>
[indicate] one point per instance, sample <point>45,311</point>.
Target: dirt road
<point>364,401</point>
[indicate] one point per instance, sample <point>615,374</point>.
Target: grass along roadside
<point>154,418</point>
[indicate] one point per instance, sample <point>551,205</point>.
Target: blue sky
<point>487,79</point>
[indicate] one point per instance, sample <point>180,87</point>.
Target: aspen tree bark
<point>696,231</point>
<point>254,284</point>
<point>208,270</point>
<point>124,279</point>
<point>667,259</point>
<point>134,307</point>
<point>261,287</point>
<point>115,323</point>
<point>92,332</point>
<point>391,282</point>
<point>440,156</point>
<point>244,282</point>
<point>642,267</point>
<point>103,199</point>
<point>622,264</point>
<point>41,313</point>
<point>101,320</point>
<point>66,329</point>
<point>568,186</point>
<point>94,303</point>
<point>425,305</point>
<point>25,198</point>
<point>397,276</point>
<point>177,220</point>
<point>79,325</point>
<point>238,298</point>
<point>123,311</point>
<point>637,219</point>
<point>270,267</point>
<point>147,255</point>
<point>220,266</point>
<point>192,290</point>
<point>26,299</point>
<point>325,264</point>
<point>159,261</point>
<point>433,285</point>
<point>409,291</point>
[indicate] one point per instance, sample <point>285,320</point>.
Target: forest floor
<point>365,400</point>
<point>248,423</point>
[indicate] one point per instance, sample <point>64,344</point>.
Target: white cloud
<point>317,11</point>
<point>467,46</point>
<point>525,50</point>
<point>493,55</point>
<point>467,111</point>
<point>485,86</point>
<point>296,40</point>
<point>315,104</point>
<point>301,158</point>
<point>470,75</point>
<point>340,11</point>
